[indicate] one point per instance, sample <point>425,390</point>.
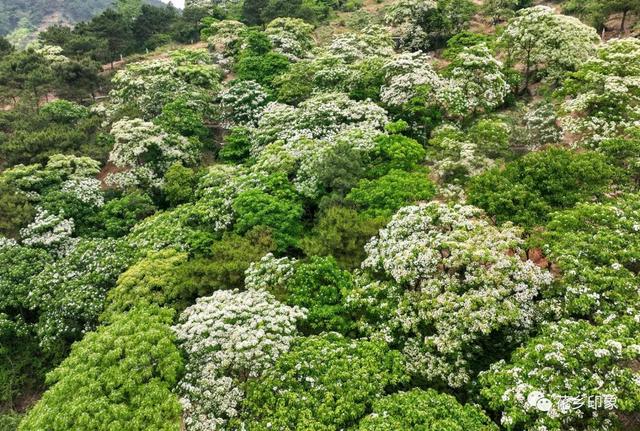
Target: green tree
<point>342,233</point>
<point>529,189</point>
<point>320,286</point>
<point>119,376</point>
<point>323,382</point>
<point>383,196</point>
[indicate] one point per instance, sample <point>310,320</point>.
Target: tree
<point>342,233</point>
<point>547,43</point>
<point>119,215</point>
<point>277,208</point>
<point>146,151</point>
<point>261,68</point>
<point>5,47</point>
<point>428,25</point>
<point>323,382</point>
<point>120,375</point>
<point>229,338</point>
<point>252,11</point>
<point>568,359</point>
<point>450,290</point>
<point>529,189</point>
<point>68,294</point>
<point>595,247</point>
<point>16,210</point>
<point>382,197</point>
<point>320,287</point>
<point>115,29</point>
<point>594,110</point>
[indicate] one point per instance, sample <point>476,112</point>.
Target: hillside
<point>335,215</point>
<point>20,18</point>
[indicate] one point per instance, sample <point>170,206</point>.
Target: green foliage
<point>465,39</point>
<point>342,233</point>
<point>9,421</point>
<point>180,117</point>
<point>261,68</point>
<point>159,279</point>
<point>237,145</point>
<point>119,376</point>
<point>229,258</point>
<point>119,215</point>
<point>16,210</point>
<point>21,363</point>
<point>277,208</point>
<point>395,152</point>
<point>320,286</point>
<point>527,190</point>
<point>64,111</point>
<point>597,249</point>
<point>383,196</point>
<point>424,410</point>
<point>324,382</point>
<point>180,184</point>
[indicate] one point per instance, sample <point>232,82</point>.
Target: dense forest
<point>321,215</point>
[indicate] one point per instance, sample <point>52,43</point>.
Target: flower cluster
<point>48,230</point>
<point>270,273</point>
<point>604,94</point>
<point>463,279</point>
<point>229,337</point>
<point>545,41</point>
<point>134,141</point>
<point>290,36</point>
<point>569,359</point>
<point>242,103</point>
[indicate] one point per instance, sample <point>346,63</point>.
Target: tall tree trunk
<point>624,19</point>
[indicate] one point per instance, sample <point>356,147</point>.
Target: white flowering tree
<point>290,36</point>
<point>373,40</point>
<point>427,24</point>
<point>149,85</point>
<point>242,103</point>
<point>405,74</point>
<point>229,337</point>
<point>225,40</point>
<point>49,231</point>
<point>321,117</point>
<point>603,96</point>
<point>582,369</point>
<point>478,83</point>
<point>144,151</point>
<point>68,295</point>
<point>544,42</point>
<point>459,158</point>
<point>596,247</point>
<point>455,292</point>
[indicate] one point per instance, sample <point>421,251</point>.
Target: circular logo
<point>538,400</point>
